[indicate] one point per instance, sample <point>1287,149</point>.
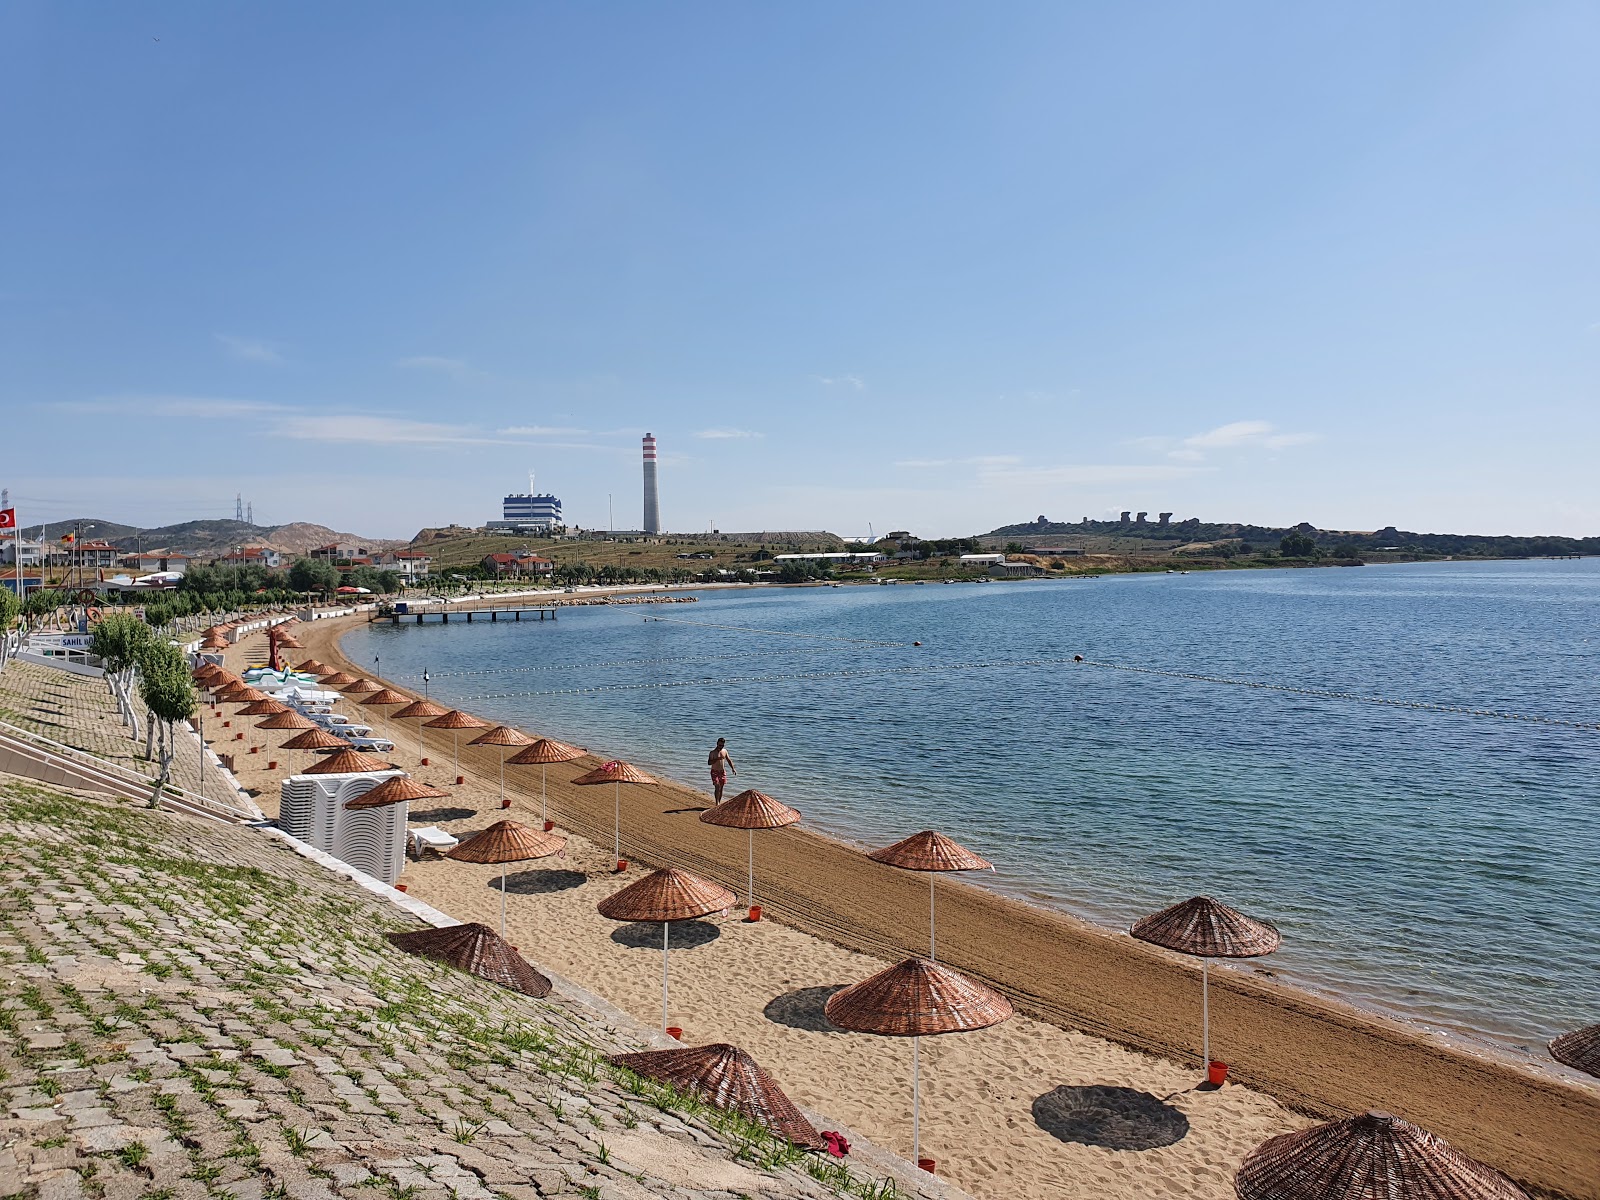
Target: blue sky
<point>923,265</point>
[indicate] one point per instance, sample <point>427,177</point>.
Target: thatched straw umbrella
<point>361,687</point>
<point>214,643</point>
<point>615,772</point>
<point>729,1078</point>
<point>397,789</point>
<point>1370,1157</point>
<point>916,999</point>
<point>751,810</point>
<point>477,950</point>
<point>1580,1049</point>
<point>265,707</point>
<point>337,680</point>
<point>541,754</point>
<point>1207,929</point>
<point>288,719</point>
<point>312,667</point>
<point>455,721</point>
<point>506,738</point>
<point>240,693</point>
<point>313,739</point>
<point>385,698</point>
<point>506,842</point>
<point>666,896</point>
<point>931,852</point>
<point>348,762</point>
<point>204,672</point>
<point>419,710</point>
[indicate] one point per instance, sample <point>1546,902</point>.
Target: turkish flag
<point>8,518</point>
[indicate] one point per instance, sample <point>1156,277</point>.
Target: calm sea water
<point>1438,865</point>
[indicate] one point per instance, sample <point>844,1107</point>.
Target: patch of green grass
<point>133,1155</point>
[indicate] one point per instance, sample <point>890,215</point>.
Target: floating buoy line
<point>615,662</point>
<point>825,637</point>
<point>1014,664</point>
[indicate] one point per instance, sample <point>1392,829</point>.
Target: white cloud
<point>186,407</point>
<point>849,381</point>
<point>721,434</point>
<point>539,431</point>
<point>251,349</point>
<point>378,431</point>
<point>1085,473</point>
<point>1236,435</point>
<point>433,362</point>
<point>978,460</point>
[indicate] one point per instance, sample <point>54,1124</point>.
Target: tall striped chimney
<point>652,504</point>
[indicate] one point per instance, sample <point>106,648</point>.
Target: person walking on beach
<point>720,765</point>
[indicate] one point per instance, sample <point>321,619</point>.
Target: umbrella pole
<point>916,1102</point>
<point>455,737</point>
<point>502,900</point>
<point>665,954</point>
<point>544,800</point>
<point>750,887</point>
<point>616,829</point>
<point>1205,1014</point>
<point>419,741</point>
<point>932,945</point>
<point>502,777</point>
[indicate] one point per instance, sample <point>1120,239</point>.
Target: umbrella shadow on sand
<point>534,883</point>
<point>803,1008</point>
<point>1113,1118</point>
<point>646,935</point>
<point>442,814</point>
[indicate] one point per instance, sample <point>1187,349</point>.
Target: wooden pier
<point>443,615</point>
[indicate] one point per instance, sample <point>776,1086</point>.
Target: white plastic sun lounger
<point>431,838</point>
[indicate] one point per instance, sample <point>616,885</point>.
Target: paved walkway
<point>193,1010</point>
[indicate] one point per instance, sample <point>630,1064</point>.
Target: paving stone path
<point>192,1010</point>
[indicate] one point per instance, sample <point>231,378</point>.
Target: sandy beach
<point>1090,1090</point>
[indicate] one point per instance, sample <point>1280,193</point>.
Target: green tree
<point>168,692</point>
<point>1297,545</point>
<point>313,575</point>
<point>10,608</point>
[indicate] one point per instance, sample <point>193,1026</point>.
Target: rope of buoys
<point>1002,664</point>
<point>826,637</point>
<point>622,662</point>
<point>1330,694</point>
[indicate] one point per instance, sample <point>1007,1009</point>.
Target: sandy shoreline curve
<point>1305,1052</point>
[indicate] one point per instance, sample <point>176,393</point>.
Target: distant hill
<point>208,539</point>
<point>1194,530</point>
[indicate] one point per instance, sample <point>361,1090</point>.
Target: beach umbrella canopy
<point>506,738</point>
<point>385,698</point>
<point>360,687</point>
<point>455,720</point>
<point>395,790</point>
<point>1207,929</point>
<point>263,708</point>
<point>348,762</point>
<point>541,754</point>
<point>242,694</point>
<point>477,950</point>
<point>616,772</point>
<point>420,709</point>
<point>751,810</point>
<point>222,680</point>
<point>731,1079</point>
<point>312,667</point>
<point>1580,1049</point>
<point>287,719</point>
<point>932,852</point>
<point>204,672</point>
<point>667,895</point>
<point>917,998</point>
<point>506,842</point>
<point>315,738</point>
<point>1371,1157</point>
<point>337,680</point>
